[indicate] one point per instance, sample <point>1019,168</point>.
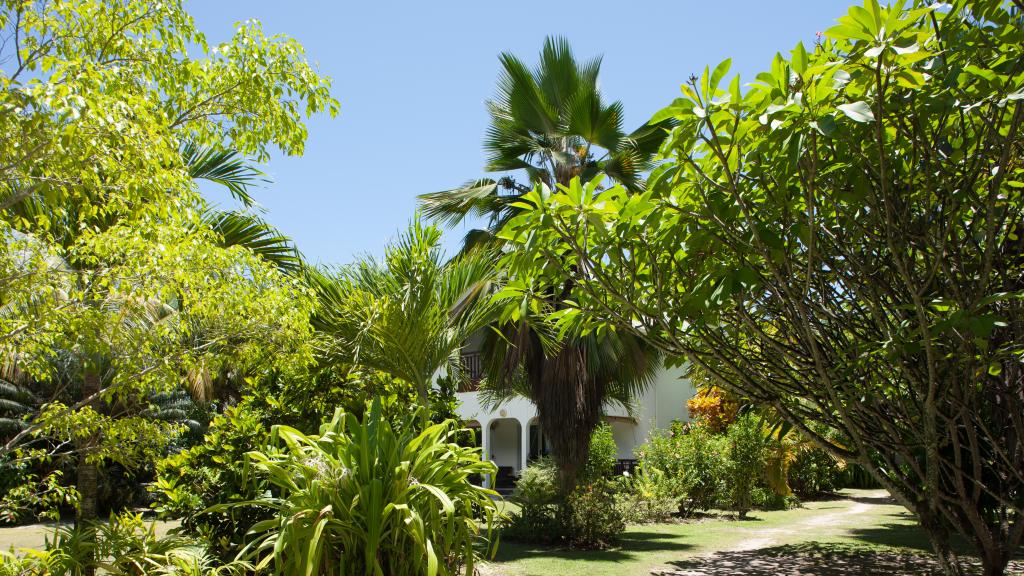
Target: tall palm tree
<point>408,315</point>
<point>553,124</point>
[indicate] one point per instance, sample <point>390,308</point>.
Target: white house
<point>510,436</point>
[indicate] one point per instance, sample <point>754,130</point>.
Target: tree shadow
<point>876,500</point>
<point>811,558</point>
<point>630,546</point>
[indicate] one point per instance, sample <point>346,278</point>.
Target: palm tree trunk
<point>87,483</point>
<point>568,402</point>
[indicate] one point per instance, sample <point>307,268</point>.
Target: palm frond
<point>225,167</point>
<point>255,234</point>
<point>451,207</point>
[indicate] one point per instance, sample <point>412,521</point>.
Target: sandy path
<point>771,536</point>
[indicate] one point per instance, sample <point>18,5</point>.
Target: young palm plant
<point>371,497</point>
<point>409,315</point>
<point>552,123</point>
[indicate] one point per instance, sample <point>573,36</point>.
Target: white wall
<point>625,435</point>
<point>504,445</point>
<point>662,403</point>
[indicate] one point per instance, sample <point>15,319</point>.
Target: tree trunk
<point>87,484</point>
<point>994,559</point>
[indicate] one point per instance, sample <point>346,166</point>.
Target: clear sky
<point>412,78</point>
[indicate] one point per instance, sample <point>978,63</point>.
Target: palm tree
<point>408,315</point>
<point>552,123</point>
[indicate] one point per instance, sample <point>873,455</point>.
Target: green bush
<point>649,496</point>
<point>369,497</point>
<point>590,518</point>
<point>213,473</point>
<point>536,493</point>
<point>814,472</point>
<point>745,465</point>
<point>703,458</point>
<point>662,451</point>
<point>602,454</point>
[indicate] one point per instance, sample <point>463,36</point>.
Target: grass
<point>863,520</point>
<point>35,535</point>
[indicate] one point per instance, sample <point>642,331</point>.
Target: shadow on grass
<point>896,536</point>
<point>885,500</point>
<point>631,545</point>
<point>903,531</point>
<point>811,558</point>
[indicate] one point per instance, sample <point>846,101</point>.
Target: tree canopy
<point>841,241</point>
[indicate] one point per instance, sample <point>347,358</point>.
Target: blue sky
<point>412,78</point>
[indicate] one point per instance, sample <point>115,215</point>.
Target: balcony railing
<point>473,365</point>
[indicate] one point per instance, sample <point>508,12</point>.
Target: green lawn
<point>863,529</point>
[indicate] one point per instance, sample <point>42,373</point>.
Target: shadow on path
<point>812,558</point>
<point>632,545</point>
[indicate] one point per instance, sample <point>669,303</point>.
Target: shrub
<point>745,465</point>
<point>590,518</point>
<point>369,497</point>
<point>663,451</point>
<point>536,493</point>
<point>649,496</point>
<point>814,472</point>
<point>602,454</point>
<point>191,482</point>
<point>703,460</point>
<point>713,407</point>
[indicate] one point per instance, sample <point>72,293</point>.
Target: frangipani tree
<point>841,242</point>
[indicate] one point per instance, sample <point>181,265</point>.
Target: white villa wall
<point>508,444</point>
<point>625,438</point>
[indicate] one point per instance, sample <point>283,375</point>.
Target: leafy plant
<point>590,517</point>
<point>704,458</point>
<point>189,484</point>
<point>648,496</point>
<point>602,454</point>
<point>367,497</point>
<point>745,463</point>
<point>36,498</point>
<point>537,494</point>
<point>587,518</point>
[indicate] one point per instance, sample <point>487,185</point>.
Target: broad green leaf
<point>857,111</point>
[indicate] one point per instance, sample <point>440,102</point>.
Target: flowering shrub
<point>714,408</point>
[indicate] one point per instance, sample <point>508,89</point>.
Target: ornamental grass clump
<point>371,497</point>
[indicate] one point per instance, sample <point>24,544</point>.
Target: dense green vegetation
<point>832,253</point>
<point>839,242</point>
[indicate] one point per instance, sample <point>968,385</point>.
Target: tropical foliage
<point>369,497</point>
<point>409,315</point>
<point>837,241</point>
<point>588,517</point>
